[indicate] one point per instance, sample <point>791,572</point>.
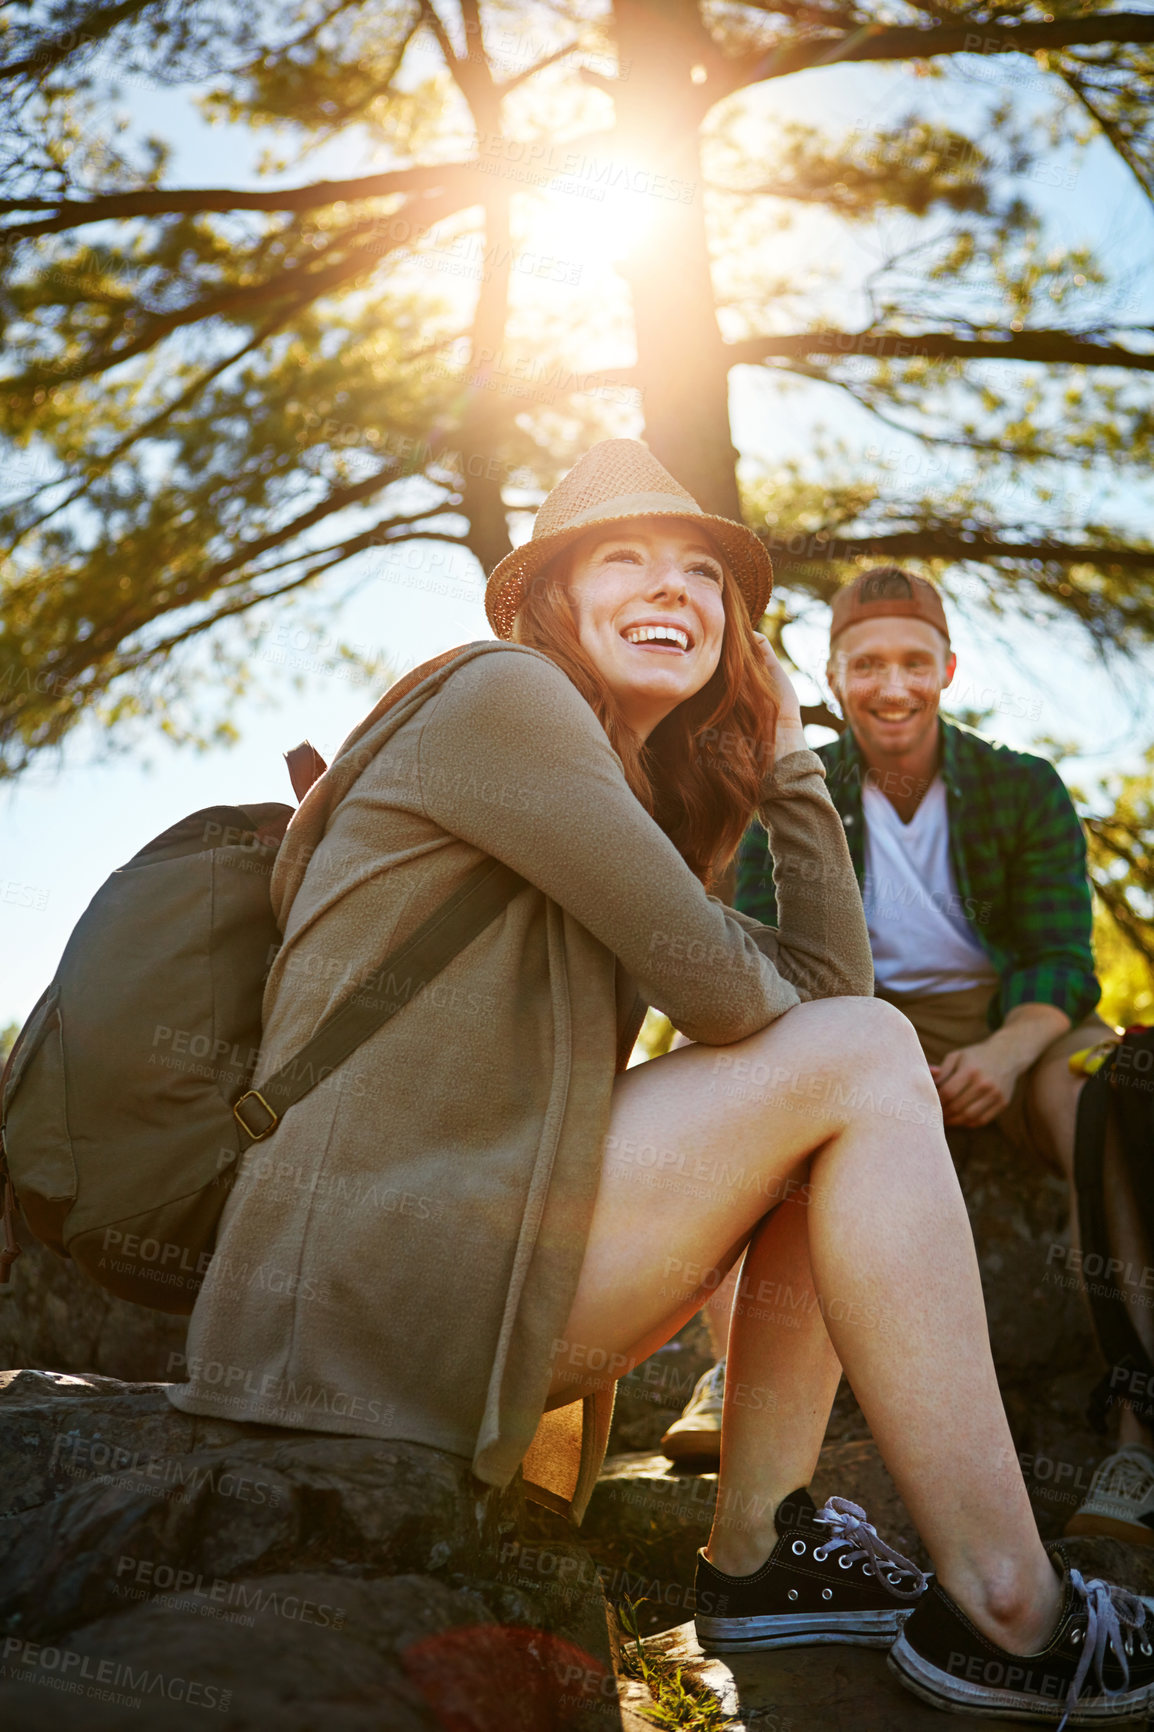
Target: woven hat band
<point>638,505</point>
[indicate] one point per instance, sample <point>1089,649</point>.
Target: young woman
<point>482,1218</point>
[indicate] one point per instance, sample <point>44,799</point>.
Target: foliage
<point>678,1700</point>
<point>1119,820</point>
<point>400,325</point>
<point>656,1034</point>
<point>1127,977</point>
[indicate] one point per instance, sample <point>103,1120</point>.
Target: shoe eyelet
<point>1146,1648</point>
<point>1076,1635</point>
<point>799,1548</point>
<point>1128,1649</point>
<point>867,1570</point>
<point>792,1595</point>
<point>820,1554</point>
<point>827,1593</point>
<point>844,1563</point>
<point>894,1581</point>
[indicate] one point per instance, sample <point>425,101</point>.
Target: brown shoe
<point>1120,1501</point>
<point>694,1440</point>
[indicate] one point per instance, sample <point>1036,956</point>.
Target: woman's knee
<point>859,1038</point>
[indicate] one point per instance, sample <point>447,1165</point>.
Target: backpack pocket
<point>37,1140</point>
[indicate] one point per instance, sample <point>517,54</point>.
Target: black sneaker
<point>942,1658</point>
<point>830,1578</point>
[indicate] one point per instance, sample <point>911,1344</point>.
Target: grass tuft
<point>679,1702</point>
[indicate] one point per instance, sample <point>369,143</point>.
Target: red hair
<point>699,774</point>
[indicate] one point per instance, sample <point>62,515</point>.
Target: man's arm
<point>975,1083</point>
<point>1050,908</point>
<point>1051,981</point>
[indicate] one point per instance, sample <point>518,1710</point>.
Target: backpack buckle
<point>257,1135</point>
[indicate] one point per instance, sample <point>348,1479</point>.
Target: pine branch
<point>875,41</point>
<point>1112,133</point>
<point>300,286</point>
<point>950,544</point>
<point>54,51</point>
<point>196,201</point>
<point>1068,348</point>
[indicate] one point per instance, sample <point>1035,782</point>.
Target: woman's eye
<point>707,570</point>
<point>619,553</point>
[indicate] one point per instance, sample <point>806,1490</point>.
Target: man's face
<point>888,675</point>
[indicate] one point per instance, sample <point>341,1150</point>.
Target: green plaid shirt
<point>1019,857</point>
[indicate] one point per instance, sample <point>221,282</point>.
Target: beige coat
<point>399,1257</point>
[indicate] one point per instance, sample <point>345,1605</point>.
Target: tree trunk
<point>682,365</point>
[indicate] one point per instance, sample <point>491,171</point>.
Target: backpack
<point>1118,1098</point>
<point>125,1103</point>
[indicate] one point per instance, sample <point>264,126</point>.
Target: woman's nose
<point>668,579</point>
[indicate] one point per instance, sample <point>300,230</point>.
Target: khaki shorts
<point>944,1021</point>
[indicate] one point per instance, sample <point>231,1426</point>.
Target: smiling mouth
<point>670,638</point>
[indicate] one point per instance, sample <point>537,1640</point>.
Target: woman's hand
<point>788,735</point>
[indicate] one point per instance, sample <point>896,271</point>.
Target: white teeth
<point>658,634</point>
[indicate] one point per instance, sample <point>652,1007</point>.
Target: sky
<point>76,816</point>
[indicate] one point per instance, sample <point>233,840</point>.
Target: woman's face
<point>648,605</point>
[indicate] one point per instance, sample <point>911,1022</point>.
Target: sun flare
<point>599,213</point>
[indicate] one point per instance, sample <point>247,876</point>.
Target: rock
<point>836,1689</point>
<point>798,1689</point>
<point>286,1578</point>
<point>53,1316</point>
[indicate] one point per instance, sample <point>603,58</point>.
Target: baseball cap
<point>888,590</point>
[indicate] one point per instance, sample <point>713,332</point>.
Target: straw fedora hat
<point>618,479</point>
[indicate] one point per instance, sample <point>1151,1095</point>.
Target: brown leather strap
<point>305,766</point>
<point>463,915</point>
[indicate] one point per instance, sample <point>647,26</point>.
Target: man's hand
<point>789,735</point>
<point>975,1083</point>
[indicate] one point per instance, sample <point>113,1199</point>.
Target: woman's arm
<point>821,944</point>
<point>513,760</point>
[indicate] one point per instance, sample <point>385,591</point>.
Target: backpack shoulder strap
<point>475,903</point>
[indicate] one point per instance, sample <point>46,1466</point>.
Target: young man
<point>972,864</point>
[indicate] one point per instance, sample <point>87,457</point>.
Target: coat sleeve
<point>1051,954</point>
<point>514,761</point>
<point>821,942</point>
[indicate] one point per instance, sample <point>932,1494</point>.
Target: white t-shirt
<point>919,934</point>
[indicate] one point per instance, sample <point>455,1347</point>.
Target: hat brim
<point>747,558</point>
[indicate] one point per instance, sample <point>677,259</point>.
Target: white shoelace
<point>848,1527</point>
<point>1107,1609</point>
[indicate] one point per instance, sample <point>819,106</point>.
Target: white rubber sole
<point>801,1630</point>
<point>959,1696</point>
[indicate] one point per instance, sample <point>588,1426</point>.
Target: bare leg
<point>835,1094</point>
<point>718,1308</point>
<point>1053,1104</point>
<point>781,1360</point>
<point>717,1311</point>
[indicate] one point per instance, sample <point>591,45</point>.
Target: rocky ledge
<point>158,1569</point>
